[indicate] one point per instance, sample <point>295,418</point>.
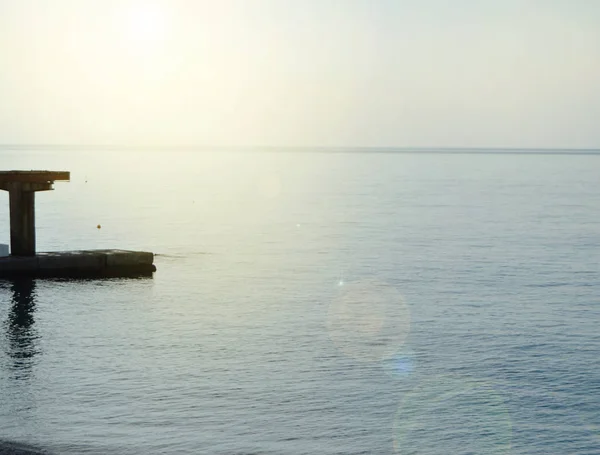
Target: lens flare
<point>401,365</point>
<point>552,420</point>
<point>453,415</point>
<point>368,320</point>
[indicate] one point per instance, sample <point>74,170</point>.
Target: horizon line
<point>309,148</point>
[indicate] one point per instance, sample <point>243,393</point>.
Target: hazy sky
<point>301,72</point>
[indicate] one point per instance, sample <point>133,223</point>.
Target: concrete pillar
<point>22,222</point>
<point>21,187</point>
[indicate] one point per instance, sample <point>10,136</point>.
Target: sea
<point>317,301</point>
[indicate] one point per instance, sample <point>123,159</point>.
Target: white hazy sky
<point>458,73</point>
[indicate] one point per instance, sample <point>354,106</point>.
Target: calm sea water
<point>311,304</point>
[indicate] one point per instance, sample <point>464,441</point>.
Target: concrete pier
<point>79,264</point>
<point>21,187</point>
<point>24,261</point>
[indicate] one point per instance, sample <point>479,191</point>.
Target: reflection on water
<point>20,329</point>
<point>256,348</point>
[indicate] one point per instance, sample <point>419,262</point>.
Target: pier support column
<point>21,187</point>
<point>22,222</point>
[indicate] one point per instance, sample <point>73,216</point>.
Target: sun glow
<point>145,27</point>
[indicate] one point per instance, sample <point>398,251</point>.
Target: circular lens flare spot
<point>368,320</point>
<point>560,414</point>
<point>401,365</point>
<point>453,415</point>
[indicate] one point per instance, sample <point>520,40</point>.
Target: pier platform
<point>24,260</point>
<point>79,264</point>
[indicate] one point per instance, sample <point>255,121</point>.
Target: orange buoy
<point>98,226</point>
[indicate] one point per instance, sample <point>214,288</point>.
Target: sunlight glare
<point>145,27</point>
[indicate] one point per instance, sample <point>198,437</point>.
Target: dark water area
<point>310,303</point>
<point>12,448</point>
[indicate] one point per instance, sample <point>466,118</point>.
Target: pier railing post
<point>22,222</point>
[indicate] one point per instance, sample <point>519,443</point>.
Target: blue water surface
<point>311,303</point>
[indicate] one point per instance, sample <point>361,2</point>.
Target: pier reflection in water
<point>21,334</point>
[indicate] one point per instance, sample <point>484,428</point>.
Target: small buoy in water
<point>99,226</point>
